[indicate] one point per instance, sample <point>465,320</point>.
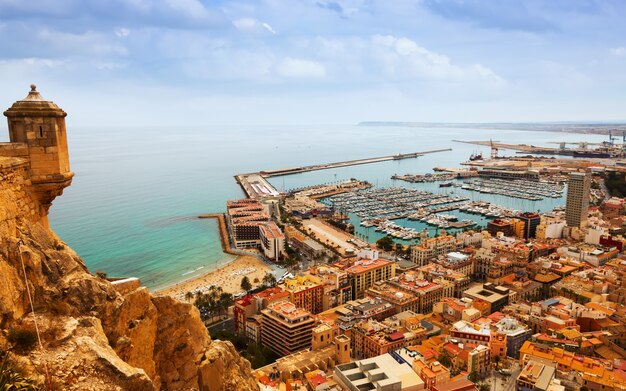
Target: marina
<point>529,190</point>
<point>378,208</point>
<point>392,202</point>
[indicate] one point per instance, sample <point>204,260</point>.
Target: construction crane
<point>581,144</point>
<point>494,150</point>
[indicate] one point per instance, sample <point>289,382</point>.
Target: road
<point>225,325</point>
<point>500,382</point>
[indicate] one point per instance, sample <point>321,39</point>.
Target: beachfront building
<point>286,329</point>
<point>272,241</point>
<point>243,218</point>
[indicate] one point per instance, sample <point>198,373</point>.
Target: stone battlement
<point>38,142</point>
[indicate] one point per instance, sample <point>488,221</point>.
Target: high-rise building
<point>530,222</point>
<point>286,329</point>
<point>578,187</point>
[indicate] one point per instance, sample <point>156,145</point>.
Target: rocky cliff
<point>96,335</point>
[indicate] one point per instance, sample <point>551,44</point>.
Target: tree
<point>497,361</point>
<point>484,387</point>
<point>245,284</point>
<point>189,295</point>
<point>473,377</point>
<point>225,300</point>
<point>269,279</point>
<point>445,360</point>
<point>385,243</point>
<point>399,249</point>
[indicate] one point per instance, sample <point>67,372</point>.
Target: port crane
<point>494,150</point>
<point>581,144</point>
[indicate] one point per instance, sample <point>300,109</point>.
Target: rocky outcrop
<point>94,336</point>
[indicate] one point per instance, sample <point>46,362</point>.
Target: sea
<point>133,205</point>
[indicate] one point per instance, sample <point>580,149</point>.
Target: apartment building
<point>286,329</point>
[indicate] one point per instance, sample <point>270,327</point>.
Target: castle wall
<point>15,190</point>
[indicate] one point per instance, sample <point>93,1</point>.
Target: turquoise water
<point>132,207</point>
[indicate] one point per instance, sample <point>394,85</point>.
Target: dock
<point>523,148</point>
<point>346,163</point>
<point>256,186</point>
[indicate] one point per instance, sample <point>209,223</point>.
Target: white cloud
<point>122,32</point>
<point>93,43</point>
<point>268,28</point>
<point>251,24</point>
<point>299,68</point>
<point>404,58</point>
<point>619,51</point>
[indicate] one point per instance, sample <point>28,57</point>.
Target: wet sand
<point>228,277</point>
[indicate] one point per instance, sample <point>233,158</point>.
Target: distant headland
<point>616,128</point>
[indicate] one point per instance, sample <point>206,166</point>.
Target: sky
<point>197,62</point>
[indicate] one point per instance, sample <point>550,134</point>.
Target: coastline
<point>228,277</point>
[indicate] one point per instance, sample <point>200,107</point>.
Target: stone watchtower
<point>37,133</point>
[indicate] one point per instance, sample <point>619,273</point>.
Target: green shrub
<point>11,378</point>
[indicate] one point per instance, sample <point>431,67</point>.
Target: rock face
<point>95,335</point>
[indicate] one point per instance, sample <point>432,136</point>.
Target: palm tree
<point>245,284</point>
<point>269,279</point>
<point>188,295</point>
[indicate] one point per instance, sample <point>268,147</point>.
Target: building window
<point>41,131</point>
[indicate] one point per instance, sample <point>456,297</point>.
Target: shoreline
<point>228,277</point>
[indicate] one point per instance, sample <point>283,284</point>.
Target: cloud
<point>403,58</point>
<point>299,68</point>
<point>502,15</point>
<point>252,25</point>
<point>619,51</point>
<point>345,8</point>
<point>184,14</point>
<point>122,32</point>
<point>90,42</point>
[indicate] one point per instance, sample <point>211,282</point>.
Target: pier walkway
<point>256,186</point>
<point>346,163</point>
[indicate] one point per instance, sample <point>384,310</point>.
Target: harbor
<point>378,208</point>
<point>391,203</point>
<point>603,150</point>
<point>256,186</point>
<point>529,190</point>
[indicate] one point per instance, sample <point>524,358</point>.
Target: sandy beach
<point>228,277</point>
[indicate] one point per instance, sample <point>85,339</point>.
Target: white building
<point>272,241</point>
<point>381,373</point>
